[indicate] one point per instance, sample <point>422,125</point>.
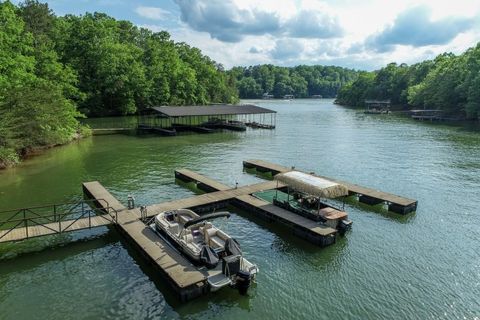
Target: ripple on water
<point>424,266</point>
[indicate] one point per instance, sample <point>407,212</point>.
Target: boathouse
<point>169,120</point>
<point>377,106</point>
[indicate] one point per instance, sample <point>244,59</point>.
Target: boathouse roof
<point>212,110</point>
<point>311,184</point>
<point>367,101</point>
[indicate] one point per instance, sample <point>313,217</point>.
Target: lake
<point>422,266</point>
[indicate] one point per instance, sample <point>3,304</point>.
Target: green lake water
<point>422,266</point>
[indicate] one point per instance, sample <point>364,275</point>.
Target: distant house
<point>288,96</point>
<point>377,106</point>
<point>267,96</point>
<point>377,103</point>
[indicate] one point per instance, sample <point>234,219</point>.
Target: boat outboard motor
<point>344,226</point>
<point>209,257</point>
<point>243,281</point>
<point>232,247</point>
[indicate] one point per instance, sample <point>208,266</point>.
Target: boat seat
<point>174,228</point>
<point>216,238</point>
<point>183,219</point>
<point>217,242</point>
<point>188,238</point>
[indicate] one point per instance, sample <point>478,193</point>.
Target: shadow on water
<point>287,244</point>
<point>225,296</point>
<point>285,241</point>
<point>263,175</point>
<point>151,272</point>
<point>31,255</point>
<point>192,186</point>
<point>463,126</point>
<point>381,209</point>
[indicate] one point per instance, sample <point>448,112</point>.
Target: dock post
<point>131,202</point>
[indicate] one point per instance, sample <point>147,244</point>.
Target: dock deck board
<point>287,216</point>
<point>208,198</point>
<point>243,194</point>
<point>179,269</point>
<point>21,233</point>
<point>385,196</point>
<point>201,179</point>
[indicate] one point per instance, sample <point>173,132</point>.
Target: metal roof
<point>213,110</point>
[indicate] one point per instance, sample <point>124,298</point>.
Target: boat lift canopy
<point>312,185</point>
<point>209,216</point>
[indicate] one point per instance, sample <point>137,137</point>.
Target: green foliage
<point>35,105</point>
<point>51,65</point>
<point>356,92</point>
<point>84,131</point>
<point>449,83</point>
<point>8,157</point>
<point>40,116</point>
<point>123,69</point>
<point>16,51</point>
<point>301,81</point>
<point>248,87</point>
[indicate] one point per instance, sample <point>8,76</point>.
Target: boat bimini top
<point>313,185</point>
<point>209,216</point>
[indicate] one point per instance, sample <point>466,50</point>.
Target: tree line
<point>301,81</point>
<point>449,83</point>
<point>54,70</point>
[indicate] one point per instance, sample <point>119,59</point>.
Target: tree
<point>34,108</point>
<point>355,94</point>
<point>301,81</point>
<point>249,88</point>
<point>16,59</point>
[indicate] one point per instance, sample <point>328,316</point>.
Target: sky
<point>356,34</point>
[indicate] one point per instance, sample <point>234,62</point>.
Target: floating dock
<point>365,195</point>
<point>302,227</point>
<point>187,280</point>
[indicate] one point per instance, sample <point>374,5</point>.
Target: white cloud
<point>152,13</point>
<point>284,32</point>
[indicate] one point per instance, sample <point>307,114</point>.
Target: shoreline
<point>401,110</point>
<point>39,150</point>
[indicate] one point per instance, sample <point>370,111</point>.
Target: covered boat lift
<point>309,190</point>
<point>205,119</point>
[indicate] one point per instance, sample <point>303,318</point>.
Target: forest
<point>449,83</point>
<point>54,70</point>
<point>301,81</point>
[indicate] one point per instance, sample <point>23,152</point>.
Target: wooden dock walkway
<point>303,227</point>
<point>366,195</point>
<point>188,281</point>
<point>40,230</point>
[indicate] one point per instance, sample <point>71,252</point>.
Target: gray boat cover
<point>232,247</point>
<point>209,257</point>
